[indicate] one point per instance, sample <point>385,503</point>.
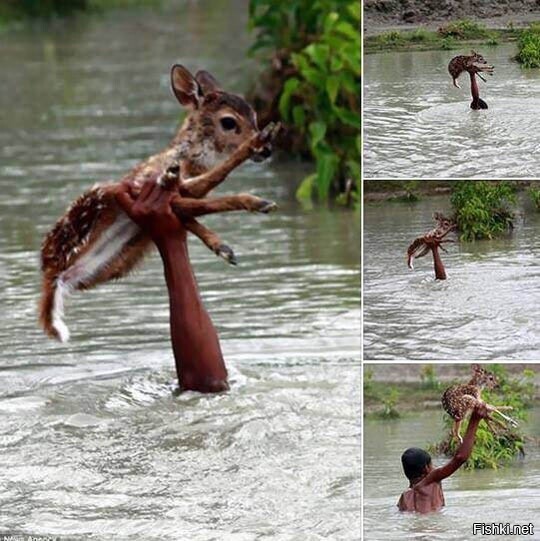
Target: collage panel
<point>451,89</point>
<point>451,270</point>
<point>422,480</point>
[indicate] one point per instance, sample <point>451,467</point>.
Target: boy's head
<point>416,463</point>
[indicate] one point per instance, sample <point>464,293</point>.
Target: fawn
<point>95,242</point>
<point>459,400</point>
<point>475,63</point>
<point>432,241</point>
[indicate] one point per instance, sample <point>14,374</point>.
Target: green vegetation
<point>465,30</point>
<point>483,209</point>
<point>452,35</point>
<point>534,192</point>
<point>529,47</point>
<point>429,377</point>
<point>313,50</point>
<point>495,450</point>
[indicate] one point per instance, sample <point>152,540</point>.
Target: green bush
<point>529,47</point>
<point>483,209</point>
<point>320,96</point>
<point>495,450</point>
<point>389,410</point>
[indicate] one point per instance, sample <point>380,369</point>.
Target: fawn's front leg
<point>185,207</point>
<point>209,238</point>
<point>200,185</point>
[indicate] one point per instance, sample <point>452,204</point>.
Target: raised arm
<point>463,452</point>
<point>197,353</point>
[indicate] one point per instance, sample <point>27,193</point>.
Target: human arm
<point>198,358</point>
<point>463,452</point>
<point>440,272</point>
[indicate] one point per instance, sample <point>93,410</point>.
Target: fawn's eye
<point>228,123</point>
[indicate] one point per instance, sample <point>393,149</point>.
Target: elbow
<point>461,457</point>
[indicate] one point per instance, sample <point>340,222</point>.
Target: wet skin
<point>197,353</point>
<point>425,494</point>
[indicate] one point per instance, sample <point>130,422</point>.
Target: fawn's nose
<point>264,153</point>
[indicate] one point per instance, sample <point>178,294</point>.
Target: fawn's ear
<point>207,82</point>
<point>185,87</point>
<point>476,367</point>
<point>474,53</point>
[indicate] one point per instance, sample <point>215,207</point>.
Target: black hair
<point>414,462</point>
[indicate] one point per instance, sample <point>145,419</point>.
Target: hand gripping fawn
<point>459,400</point>
<point>95,242</point>
<point>432,241</point>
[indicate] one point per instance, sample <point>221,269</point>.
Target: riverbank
<point>386,15</point>
<point>409,190</point>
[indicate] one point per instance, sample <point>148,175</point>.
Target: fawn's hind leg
<point>187,207</point>
<point>455,430</point>
<point>210,239</point>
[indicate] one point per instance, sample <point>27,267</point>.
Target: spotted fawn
<point>459,400</point>
<point>95,241</point>
<point>474,63</point>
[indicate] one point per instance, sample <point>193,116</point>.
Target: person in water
<point>197,353</point>
<point>425,493</point>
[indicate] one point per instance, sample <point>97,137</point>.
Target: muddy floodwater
<point>94,443</point>
<point>417,125</point>
<point>507,495</point>
<point>487,308</point>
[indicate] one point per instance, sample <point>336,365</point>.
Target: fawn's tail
<point>51,309</point>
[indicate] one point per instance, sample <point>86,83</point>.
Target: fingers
<point>124,198</point>
<point>481,410</point>
<point>146,190</point>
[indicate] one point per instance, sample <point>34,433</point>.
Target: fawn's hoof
<point>267,206</point>
<point>227,254</point>
<point>269,132</point>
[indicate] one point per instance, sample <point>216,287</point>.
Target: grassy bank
<point>413,190</point>
<point>453,35</point>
